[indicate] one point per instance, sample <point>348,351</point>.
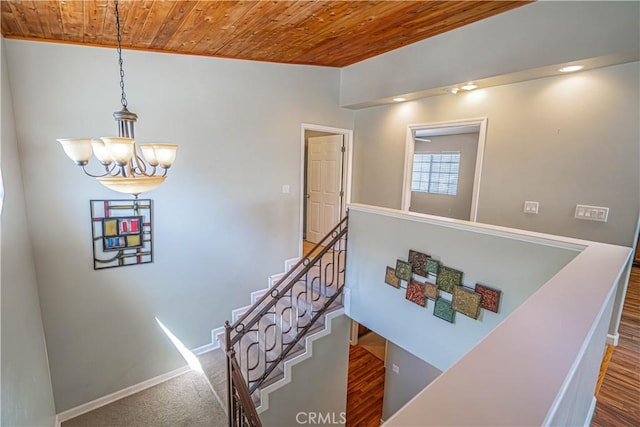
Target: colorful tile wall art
<point>390,278</point>
<point>121,231</point>
<point>418,262</point>
<point>448,278</point>
<point>466,301</point>
<point>443,310</point>
<point>415,293</point>
<point>431,290</point>
<point>432,266</point>
<point>490,297</point>
<point>418,269</point>
<point>403,270</point>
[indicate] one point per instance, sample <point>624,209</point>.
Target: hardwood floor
<point>365,389</point>
<point>619,396</point>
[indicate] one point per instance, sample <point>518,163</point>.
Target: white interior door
<point>324,185</point>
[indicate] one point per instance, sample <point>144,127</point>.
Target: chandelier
<point>125,169</point>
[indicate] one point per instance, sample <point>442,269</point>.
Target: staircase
<point>263,341</point>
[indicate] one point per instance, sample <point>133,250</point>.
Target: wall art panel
<point>490,297</point>
<point>415,293</point>
<point>466,301</point>
<point>390,278</point>
<point>448,278</point>
<point>122,233</point>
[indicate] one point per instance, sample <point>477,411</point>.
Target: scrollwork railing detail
<point>273,328</point>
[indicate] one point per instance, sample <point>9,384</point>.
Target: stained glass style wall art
<point>415,293</point>
<point>466,301</point>
<point>443,310</point>
<point>448,278</point>
<point>390,278</point>
<point>121,231</point>
<point>403,270</point>
<point>418,261</point>
<point>490,297</point>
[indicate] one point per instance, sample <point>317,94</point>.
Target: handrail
<point>273,327</point>
<point>245,412</point>
<point>238,326</point>
<point>291,270</point>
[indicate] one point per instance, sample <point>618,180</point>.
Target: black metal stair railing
<point>271,330</point>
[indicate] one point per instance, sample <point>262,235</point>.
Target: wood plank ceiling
<point>328,33</point>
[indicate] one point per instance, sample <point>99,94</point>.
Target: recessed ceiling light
<point>453,90</point>
<point>399,99</point>
<point>571,68</point>
<point>469,86</point>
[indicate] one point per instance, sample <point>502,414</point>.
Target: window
<point>436,172</point>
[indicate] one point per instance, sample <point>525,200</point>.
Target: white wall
<point>539,366</point>
<point>536,35</point>
<point>221,224</point>
<point>378,239</point>
<point>319,384</point>
<point>497,380</point>
<point>412,377</point>
<point>27,399</point>
<point>562,141</point>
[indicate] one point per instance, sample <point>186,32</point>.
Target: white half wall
<point>539,364</point>
<point>378,237</point>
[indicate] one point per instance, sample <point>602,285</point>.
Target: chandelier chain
<point>123,99</point>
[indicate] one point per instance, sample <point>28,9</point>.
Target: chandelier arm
<point>140,167</point>
<point>109,169</point>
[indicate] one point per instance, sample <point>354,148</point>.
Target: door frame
<point>410,151</point>
<point>347,134</point>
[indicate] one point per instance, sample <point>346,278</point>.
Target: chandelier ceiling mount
<point>125,169</point>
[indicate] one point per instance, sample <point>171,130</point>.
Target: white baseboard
<point>592,410</point>
<point>205,349</point>
<point>110,398</point>
<point>613,339</point>
<point>216,343</point>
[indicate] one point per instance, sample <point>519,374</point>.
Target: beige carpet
<point>214,365</point>
<point>184,401</point>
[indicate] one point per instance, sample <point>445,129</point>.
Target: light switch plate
<point>592,213</point>
<point>531,207</point>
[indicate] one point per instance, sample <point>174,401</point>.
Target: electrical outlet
<point>592,213</point>
<point>395,368</point>
<point>285,189</point>
<point>531,207</point>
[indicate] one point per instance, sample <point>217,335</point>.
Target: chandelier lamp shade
<point>129,167</point>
